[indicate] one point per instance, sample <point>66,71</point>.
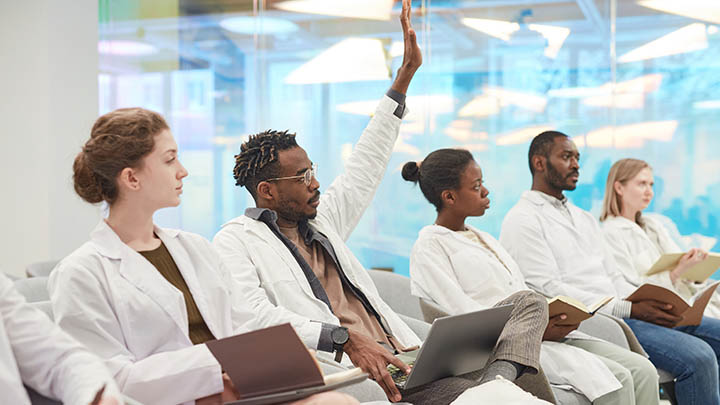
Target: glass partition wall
<point>623,78</point>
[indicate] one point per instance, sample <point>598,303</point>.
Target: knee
<point>530,301</point>
<point>700,358</point>
<point>624,376</point>
<point>643,370</point>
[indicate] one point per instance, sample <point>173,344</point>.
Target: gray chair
<point>34,289</point>
<point>40,269</point>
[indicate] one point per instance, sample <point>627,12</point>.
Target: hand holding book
<point>695,265</point>
<point>656,304</point>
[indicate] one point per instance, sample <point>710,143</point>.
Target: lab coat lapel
<point>263,231</point>
<point>142,274</point>
<point>189,273</point>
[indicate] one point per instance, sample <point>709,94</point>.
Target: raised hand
<point>556,330</point>
<point>373,359</point>
<point>412,56</point>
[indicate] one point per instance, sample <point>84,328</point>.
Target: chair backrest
<point>431,310</point>
<point>40,269</point>
<point>394,289</point>
<point>34,288</point>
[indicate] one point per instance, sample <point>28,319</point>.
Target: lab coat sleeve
<point>49,360</point>
<point>432,276</point>
<point>618,247</point>
<point>234,253</point>
<point>523,238</point>
<point>82,308</point>
<point>349,195</point>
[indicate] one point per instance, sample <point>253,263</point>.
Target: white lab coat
<point>559,257</point>
<point>110,298</point>
<point>635,252</point>
<point>270,276</point>
<point>38,353</point>
<point>462,276</point>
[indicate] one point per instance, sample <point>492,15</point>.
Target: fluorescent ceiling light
<point>366,9</point>
<point>554,35</point>
<point>690,38</point>
<point>123,47</point>
<point>705,10</point>
<point>495,28</point>
<point>641,84</point>
<point>475,147</point>
<point>707,105</point>
<point>397,49</point>
<point>528,101</point>
<point>523,135</point>
<point>419,106</point>
<point>403,147</point>
<point>628,94</point>
<point>351,60</point>
<point>628,136</point>
<point>481,106</point>
<point>261,25</point>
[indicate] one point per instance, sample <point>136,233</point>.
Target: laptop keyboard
<point>397,375</point>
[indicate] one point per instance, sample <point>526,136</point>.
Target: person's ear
<point>538,163</point>
<point>618,188</point>
<point>128,179</point>
<point>265,190</point>
<point>447,197</point>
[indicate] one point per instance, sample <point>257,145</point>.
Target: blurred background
<point>623,78</point>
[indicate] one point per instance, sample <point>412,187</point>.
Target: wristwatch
<point>339,337</point>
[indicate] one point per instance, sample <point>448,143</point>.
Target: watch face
<point>339,336</point>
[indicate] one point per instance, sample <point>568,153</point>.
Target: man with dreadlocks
<point>289,255</point>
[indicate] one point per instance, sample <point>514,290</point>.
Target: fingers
<point>398,363</point>
<point>405,17</point>
<point>556,319</point>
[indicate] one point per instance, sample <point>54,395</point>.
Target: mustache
<point>573,173</point>
<point>314,197</point>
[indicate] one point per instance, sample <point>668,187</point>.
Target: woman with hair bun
<point>464,269</point>
<point>145,298</point>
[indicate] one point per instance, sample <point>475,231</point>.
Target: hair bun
<point>411,172</point>
<point>84,180</point>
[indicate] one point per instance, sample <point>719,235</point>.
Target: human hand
<point>689,259</point>
<point>412,56</point>
<point>373,359</point>
<point>556,330</point>
<point>229,394</point>
<point>654,312</point>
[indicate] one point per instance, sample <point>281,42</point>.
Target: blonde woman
<point>638,241</point>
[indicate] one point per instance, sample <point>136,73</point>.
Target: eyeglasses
<point>306,177</point>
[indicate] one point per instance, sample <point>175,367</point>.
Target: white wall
<point>48,85</point>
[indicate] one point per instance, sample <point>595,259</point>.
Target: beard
<point>290,210</point>
<point>558,181</point>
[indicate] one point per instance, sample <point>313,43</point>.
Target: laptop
<point>456,345</point>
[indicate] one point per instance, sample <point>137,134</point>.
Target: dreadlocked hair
<point>257,159</point>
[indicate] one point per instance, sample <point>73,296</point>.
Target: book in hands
<point>699,272</point>
<point>690,310</point>
<point>575,310</point>
<point>272,365</point>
